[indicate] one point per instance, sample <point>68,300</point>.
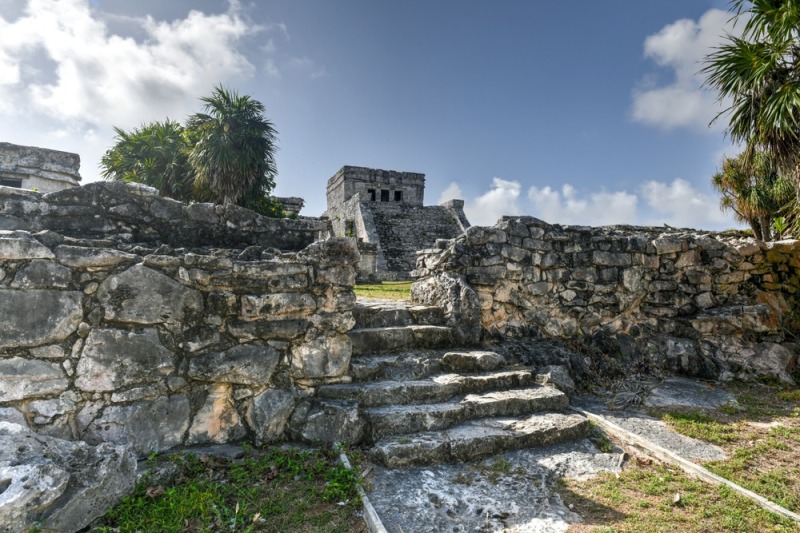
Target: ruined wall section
<point>701,304</point>
<point>47,170</point>
<point>142,343</point>
<point>128,212</point>
<point>404,229</point>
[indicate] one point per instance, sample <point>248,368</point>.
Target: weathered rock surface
<point>113,359</point>
<point>322,357</point>
<point>269,414</point>
<point>473,361</point>
<point>556,376</point>
<point>61,485</point>
<point>36,317</point>
<point>141,295</point>
<point>328,421</point>
<point>217,421</point>
<point>30,378</point>
<point>246,364</point>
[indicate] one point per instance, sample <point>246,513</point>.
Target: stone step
<point>477,439</point>
<point>377,340</point>
<point>399,419</point>
<point>412,365</point>
<point>436,389</point>
<point>396,314</point>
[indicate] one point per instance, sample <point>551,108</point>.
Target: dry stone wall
<point>106,338</point>
<point>703,304</point>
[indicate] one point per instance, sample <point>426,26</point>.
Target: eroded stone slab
<point>217,421</point>
<point>114,358</point>
<point>147,425</point>
<point>61,485</point>
<point>322,357</point>
<point>246,364</point>
<point>36,317</point>
<point>473,361</point>
<point>42,275</point>
<point>18,248</point>
<point>141,295</point>
<point>30,378</point>
<point>682,392</point>
<point>269,412</point>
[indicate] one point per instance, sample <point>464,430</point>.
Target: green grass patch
<point>703,427</point>
<point>643,498</point>
<point>273,490</point>
<point>390,290</point>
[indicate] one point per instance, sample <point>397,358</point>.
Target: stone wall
<point>702,304</point>
<point>47,170</point>
<point>139,342</point>
<point>135,213</point>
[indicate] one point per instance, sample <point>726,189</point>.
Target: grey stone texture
<point>113,330</point>
<point>703,304</point>
<point>136,212</point>
<point>385,208</point>
<point>56,484</point>
<point>47,170</point>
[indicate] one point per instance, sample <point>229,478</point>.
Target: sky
<point>579,112</point>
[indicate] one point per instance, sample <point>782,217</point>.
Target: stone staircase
<point>424,405</point>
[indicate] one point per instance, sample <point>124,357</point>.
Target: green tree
<point>155,154</point>
<point>754,190</point>
<point>233,153</point>
<point>759,73</point>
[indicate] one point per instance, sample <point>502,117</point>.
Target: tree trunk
<point>756,227</point>
<point>766,232</point>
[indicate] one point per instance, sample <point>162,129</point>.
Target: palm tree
<point>233,155</point>
<point>760,73</point>
<point>155,154</point>
<point>754,190</point>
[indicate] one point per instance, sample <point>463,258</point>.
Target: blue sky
<point>579,112</point>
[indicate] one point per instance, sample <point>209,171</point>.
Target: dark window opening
<point>8,182</point>
<point>398,196</point>
<point>371,194</point>
<point>384,196</point>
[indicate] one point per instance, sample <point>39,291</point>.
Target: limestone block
<point>19,246</point>
<point>141,295</point>
<point>322,357</point>
<point>147,426</point>
<point>61,485</point>
<point>250,330</point>
<point>9,414</point>
<point>328,421</point>
<point>246,364</point>
<point>30,378</point>
<point>279,305</point>
<point>268,414</point>
<point>217,421</point>
<point>611,259</point>
<point>775,360</point>
<point>81,257</point>
<point>41,274</point>
<point>48,352</point>
<point>668,244</point>
<point>556,376</point>
<point>477,361</point>
<point>36,317</point>
<point>44,410</point>
<point>113,358</point>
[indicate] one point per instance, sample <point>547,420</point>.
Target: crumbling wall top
<point>21,162</point>
<point>375,185</point>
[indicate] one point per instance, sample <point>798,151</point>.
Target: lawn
<point>389,290</point>
<point>762,438</point>
<point>269,490</point>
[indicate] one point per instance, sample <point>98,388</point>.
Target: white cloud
<point>567,206</point>
<point>451,192</point>
<point>501,199</point>
<point>106,79</point>
<point>681,48</point>
<point>306,66</point>
<point>680,204</point>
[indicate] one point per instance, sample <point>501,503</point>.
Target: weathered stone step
<point>399,419</point>
<point>435,389</point>
<point>421,364</point>
<point>395,367</point>
<point>377,340</point>
<point>477,439</point>
<point>393,314</point>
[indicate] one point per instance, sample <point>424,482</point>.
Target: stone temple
<point>29,167</point>
<point>384,211</point>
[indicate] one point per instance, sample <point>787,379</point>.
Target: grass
<point>391,290</point>
<point>761,436</point>
<point>272,490</point>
